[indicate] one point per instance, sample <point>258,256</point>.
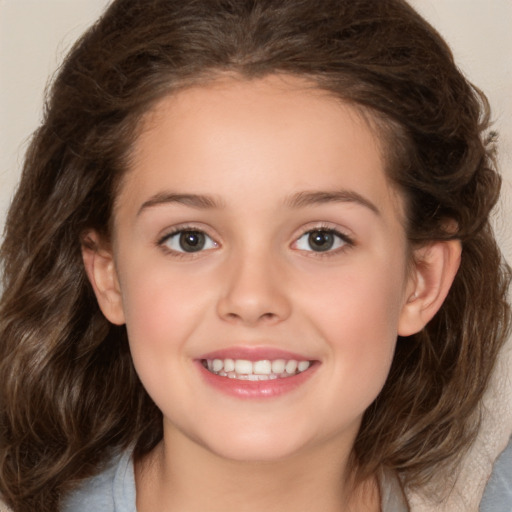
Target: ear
<point>434,270</point>
<point>101,271</point>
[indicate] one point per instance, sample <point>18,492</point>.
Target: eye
<point>322,240</point>
<point>188,240</point>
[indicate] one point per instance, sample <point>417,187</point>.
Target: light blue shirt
<point>498,493</point>
<point>113,490</point>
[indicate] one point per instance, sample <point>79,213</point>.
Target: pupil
<point>321,240</point>
<point>192,241</point>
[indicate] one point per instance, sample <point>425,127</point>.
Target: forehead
<point>237,131</point>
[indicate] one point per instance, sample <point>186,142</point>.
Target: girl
<point>249,264</point>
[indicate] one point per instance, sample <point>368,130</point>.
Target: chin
<point>262,445</point>
<point>256,452</point>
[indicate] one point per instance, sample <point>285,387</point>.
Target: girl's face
<point>261,264</point>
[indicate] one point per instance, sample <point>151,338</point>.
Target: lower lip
<point>256,389</point>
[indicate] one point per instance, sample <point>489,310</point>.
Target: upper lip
<point>254,353</point>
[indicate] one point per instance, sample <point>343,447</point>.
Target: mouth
<point>259,370</point>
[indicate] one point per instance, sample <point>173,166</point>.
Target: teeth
<point>278,366</point>
<point>264,369</point>
<point>303,365</point>
<point>242,366</point>
<point>217,365</point>
<point>291,367</point>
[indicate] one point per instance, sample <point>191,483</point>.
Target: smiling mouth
<point>264,369</point>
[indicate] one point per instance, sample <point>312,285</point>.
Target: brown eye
<point>192,241</point>
<point>322,240</point>
<point>188,241</point>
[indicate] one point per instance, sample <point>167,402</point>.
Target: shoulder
<point>112,490</point>
<point>498,493</point>
<point>391,493</point>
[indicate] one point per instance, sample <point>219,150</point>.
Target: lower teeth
<point>253,376</point>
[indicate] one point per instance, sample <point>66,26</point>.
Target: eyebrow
<point>320,197</point>
<point>299,200</point>
<point>198,201</point>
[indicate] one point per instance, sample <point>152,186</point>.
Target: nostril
<point>251,319</point>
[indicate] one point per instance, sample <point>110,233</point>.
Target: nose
<point>254,292</point>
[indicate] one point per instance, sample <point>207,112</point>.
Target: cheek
<point>356,299</point>
<point>162,312</point>
<point>162,309</point>
<point>357,312</point>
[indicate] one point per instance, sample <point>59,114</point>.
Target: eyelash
<point>161,242</point>
<point>348,241</point>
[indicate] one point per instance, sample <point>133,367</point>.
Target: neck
<point>180,475</point>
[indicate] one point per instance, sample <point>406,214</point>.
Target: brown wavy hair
<point>69,394</point>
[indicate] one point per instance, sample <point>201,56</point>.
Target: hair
<point>69,393</point>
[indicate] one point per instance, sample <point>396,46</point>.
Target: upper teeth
<point>256,370</point>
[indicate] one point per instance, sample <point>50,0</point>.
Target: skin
<point>255,149</point>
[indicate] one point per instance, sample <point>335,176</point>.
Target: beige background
<point>35,34</point>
